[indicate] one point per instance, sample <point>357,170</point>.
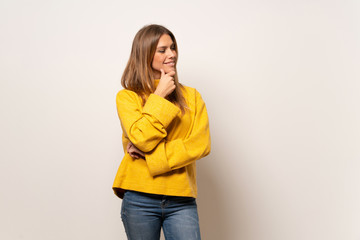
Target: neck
<point>157,74</point>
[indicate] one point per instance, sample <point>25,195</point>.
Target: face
<point>165,56</point>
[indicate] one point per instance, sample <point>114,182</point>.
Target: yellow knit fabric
<point>171,141</point>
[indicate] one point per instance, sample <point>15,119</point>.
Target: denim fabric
<point>144,214</point>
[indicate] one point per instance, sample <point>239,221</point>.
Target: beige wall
<point>281,83</point>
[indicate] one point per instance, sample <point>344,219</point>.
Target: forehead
<point>165,41</point>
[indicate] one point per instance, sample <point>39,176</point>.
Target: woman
<point>165,130</point>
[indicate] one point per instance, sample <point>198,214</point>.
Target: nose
<point>171,54</point>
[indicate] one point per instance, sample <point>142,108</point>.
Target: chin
<point>167,70</point>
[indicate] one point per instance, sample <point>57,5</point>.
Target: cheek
<point>157,61</point>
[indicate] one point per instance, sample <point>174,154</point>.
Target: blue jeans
<point>144,214</point>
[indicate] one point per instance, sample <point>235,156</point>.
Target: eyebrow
<point>172,45</point>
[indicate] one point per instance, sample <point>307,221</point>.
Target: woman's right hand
<point>166,84</point>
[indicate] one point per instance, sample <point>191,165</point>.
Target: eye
<point>161,51</point>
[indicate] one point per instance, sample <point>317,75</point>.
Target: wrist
<point>159,93</point>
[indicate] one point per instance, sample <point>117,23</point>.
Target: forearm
<point>168,156</point>
<point>145,127</point>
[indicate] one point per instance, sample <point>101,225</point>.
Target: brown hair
<point>138,75</point>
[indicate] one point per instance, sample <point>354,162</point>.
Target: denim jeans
<point>144,214</point>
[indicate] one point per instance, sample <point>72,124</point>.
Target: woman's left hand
<point>134,151</point>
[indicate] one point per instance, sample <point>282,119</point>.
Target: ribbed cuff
<point>160,108</point>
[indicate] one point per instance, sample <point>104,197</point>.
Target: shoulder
<point>190,91</point>
<point>125,96</point>
<point>192,96</point>
<point>125,92</point>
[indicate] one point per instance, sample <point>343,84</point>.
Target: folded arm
<point>174,154</point>
<point>144,126</point>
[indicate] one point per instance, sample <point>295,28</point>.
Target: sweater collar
<point>156,82</point>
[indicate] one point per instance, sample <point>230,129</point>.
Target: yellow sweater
<point>171,141</point>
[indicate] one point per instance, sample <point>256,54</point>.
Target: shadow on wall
<point>212,201</point>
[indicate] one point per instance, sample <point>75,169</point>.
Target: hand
<point>134,151</point>
<point>166,84</point>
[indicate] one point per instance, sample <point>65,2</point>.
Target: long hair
<point>139,75</point>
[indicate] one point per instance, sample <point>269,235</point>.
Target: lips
<point>171,64</point>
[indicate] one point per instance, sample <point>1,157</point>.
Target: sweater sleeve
<point>174,154</point>
<point>144,127</point>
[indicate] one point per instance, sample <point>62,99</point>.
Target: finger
<point>162,72</point>
<point>172,73</point>
<point>128,147</point>
<point>132,153</point>
<point>136,155</point>
<point>131,145</point>
<point>137,151</point>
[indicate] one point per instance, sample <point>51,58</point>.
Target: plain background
<point>281,83</point>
